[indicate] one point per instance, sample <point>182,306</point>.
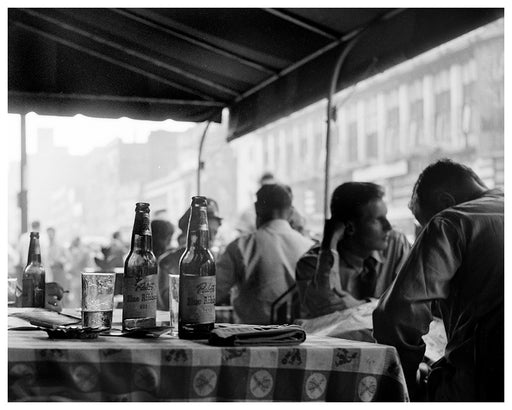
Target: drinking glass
<point>97,299</point>
<point>174,301</point>
<point>11,291</point>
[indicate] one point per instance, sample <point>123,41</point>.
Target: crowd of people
<point>454,270</point>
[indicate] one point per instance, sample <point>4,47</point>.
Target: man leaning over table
<point>457,262</point>
<point>359,254</point>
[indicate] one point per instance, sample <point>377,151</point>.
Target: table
<point>356,323</point>
<point>169,369</point>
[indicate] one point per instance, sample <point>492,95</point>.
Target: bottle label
<point>27,295</point>
<point>197,299</point>
<point>139,297</point>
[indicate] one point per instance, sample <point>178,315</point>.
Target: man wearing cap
<point>169,261</point>
<point>257,268</point>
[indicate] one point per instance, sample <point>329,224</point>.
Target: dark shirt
<point>458,261</point>
<point>348,276</point>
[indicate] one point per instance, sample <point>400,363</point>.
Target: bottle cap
<point>142,206</point>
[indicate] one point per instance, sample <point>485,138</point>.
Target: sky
<point>80,134</point>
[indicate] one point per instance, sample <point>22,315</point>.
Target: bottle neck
<point>34,251</point>
<point>198,235</point>
<point>141,234</point>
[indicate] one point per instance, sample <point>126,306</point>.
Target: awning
<point>190,64</point>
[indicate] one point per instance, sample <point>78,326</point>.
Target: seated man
<point>258,267</point>
<point>457,262</point>
<point>169,261</point>
<point>358,257</point>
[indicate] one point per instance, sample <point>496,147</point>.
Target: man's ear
<point>444,200</point>
<point>350,228</point>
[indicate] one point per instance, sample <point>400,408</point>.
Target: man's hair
<point>161,229</point>
<point>443,174</point>
<point>273,197</point>
<point>265,177</point>
<point>349,198</point>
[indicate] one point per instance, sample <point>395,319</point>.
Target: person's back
<point>257,268</point>
<point>457,262</point>
<point>270,255</point>
<point>477,287</point>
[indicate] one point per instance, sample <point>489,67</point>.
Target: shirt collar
<point>356,261</point>
<point>276,223</point>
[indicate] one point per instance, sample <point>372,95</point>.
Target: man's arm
<point>228,267</point>
<point>323,294</point>
<point>404,312</point>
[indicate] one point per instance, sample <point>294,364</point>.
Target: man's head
<point>51,233</point>
<point>162,232</point>
<point>273,201</point>
<point>441,185</point>
<point>214,219</point>
<point>36,226</point>
<point>359,205</point>
<point>267,178</point>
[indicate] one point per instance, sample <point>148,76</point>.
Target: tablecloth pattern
<point>170,369</point>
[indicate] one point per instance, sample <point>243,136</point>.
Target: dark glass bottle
<point>140,288</point>
<point>196,317</point>
<point>33,279</point>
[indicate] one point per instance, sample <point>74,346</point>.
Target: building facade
<point>447,102</point>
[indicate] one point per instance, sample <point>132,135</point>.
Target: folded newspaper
<point>256,335</point>
<point>40,317</point>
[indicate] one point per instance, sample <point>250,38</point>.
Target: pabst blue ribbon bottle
<point>33,279</point>
<point>140,287</point>
<point>196,316</point>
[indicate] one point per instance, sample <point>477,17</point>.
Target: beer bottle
<point>140,275</point>
<point>196,313</point>
<point>33,278</point>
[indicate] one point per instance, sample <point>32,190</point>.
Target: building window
<point>290,156</point>
<point>349,144</point>
<point>442,107</point>
<point>352,142</point>
<point>371,127</point>
<point>416,119</point>
<point>392,131</point>
<point>416,122</point>
<point>442,116</point>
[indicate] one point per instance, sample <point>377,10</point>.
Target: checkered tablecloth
<point>170,369</point>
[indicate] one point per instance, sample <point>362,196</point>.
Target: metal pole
<point>330,110</point>
<point>22,198</point>
<point>200,163</point>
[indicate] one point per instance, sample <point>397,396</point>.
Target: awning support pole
<point>200,162</point>
<point>330,114</point>
<point>22,197</point>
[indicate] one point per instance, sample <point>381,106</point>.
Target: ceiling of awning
<point>189,64</point>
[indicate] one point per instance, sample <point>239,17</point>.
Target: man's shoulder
<point>311,254</point>
<point>171,255</point>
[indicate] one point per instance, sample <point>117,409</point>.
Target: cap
<point>273,196</point>
<point>212,210</point>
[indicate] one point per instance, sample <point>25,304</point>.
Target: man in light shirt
<point>257,268</point>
